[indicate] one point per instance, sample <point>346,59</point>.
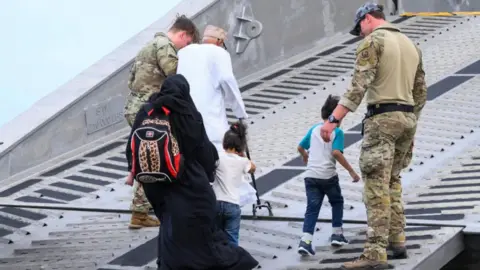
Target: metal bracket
<point>248,28</point>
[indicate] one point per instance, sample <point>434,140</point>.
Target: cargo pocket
<point>372,149</point>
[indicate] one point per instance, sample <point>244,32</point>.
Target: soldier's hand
<point>326,131</point>
<point>129,180</point>
<point>355,176</point>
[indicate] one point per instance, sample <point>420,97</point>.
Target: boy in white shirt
<point>230,176</point>
<point>321,179</point>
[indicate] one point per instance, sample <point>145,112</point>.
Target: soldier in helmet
<point>155,61</point>
<point>389,71</point>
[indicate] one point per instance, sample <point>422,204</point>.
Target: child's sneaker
<point>338,240</point>
<point>305,248</point>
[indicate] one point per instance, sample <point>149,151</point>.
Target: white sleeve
<point>228,83</point>
<point>247,166</point>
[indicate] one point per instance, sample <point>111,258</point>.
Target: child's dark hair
<point>329,105</point>
<point>236,137</point>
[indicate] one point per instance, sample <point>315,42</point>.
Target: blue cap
<point>360,15</point>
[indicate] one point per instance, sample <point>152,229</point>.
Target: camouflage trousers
<point>386,142</point>
<point>134,102</point>
<point>139,202</point>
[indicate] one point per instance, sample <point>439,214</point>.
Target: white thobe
<point>213,87</point>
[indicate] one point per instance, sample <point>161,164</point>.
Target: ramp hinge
<point>247,29</point>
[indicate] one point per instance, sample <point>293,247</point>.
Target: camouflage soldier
<point>154,62</point>
<point>389,71</point>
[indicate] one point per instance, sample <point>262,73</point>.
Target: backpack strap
<point>148,107</point>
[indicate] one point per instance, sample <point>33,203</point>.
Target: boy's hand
<point>129,180</point>
<point>305,158</point>
<point>355,176</point>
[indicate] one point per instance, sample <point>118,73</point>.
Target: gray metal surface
<point>93,176</point>
<point>439,5</point>
<point>56,124</point>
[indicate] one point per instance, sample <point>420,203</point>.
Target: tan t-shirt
<point>388,69</point>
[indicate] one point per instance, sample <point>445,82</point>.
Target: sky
<point>45,43</point>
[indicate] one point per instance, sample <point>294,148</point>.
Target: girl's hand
<point>252,167</point>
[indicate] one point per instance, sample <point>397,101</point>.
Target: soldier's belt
<point>141,95</point>
<point>384,108</point>
<point>387,107</point>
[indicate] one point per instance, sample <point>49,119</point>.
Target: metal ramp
<point>440,186</point>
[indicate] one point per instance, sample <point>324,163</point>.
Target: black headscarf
<point>186,120</point>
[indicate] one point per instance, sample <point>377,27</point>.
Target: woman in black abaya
<point>188,237</point>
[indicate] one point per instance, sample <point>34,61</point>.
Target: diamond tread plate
<point>291,98</point>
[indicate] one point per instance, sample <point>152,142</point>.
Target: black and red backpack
<point>156,156</point>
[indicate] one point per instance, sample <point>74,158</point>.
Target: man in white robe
<point>208,69</point>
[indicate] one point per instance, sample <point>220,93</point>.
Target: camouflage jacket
<point>157,60</point>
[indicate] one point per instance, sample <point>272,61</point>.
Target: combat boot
<point>363,263</point>
<point>142,220</point>
<point>399,250</point>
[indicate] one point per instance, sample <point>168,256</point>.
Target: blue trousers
<point>228,219</point>
<point>316,190</point>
